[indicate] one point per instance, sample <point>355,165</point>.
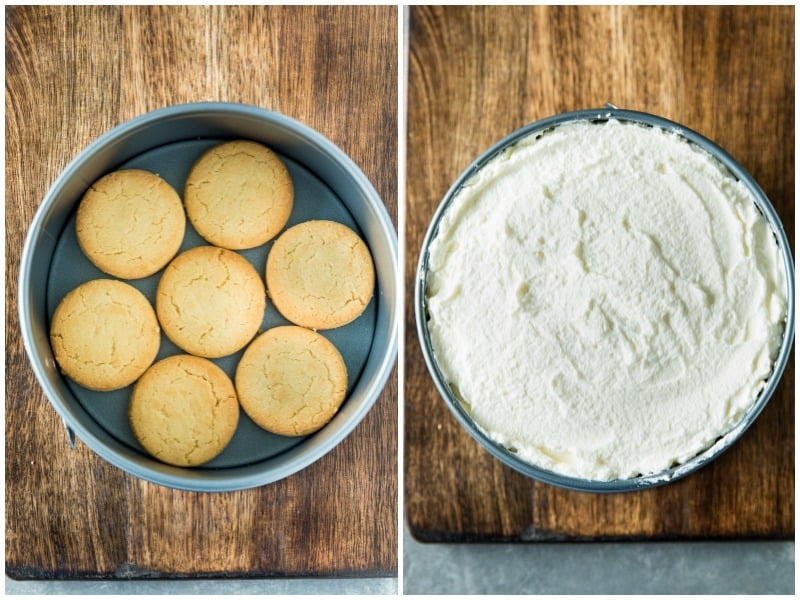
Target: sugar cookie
<point>239,195</point>
<point>104,334</point>
<point>183,410</point>
<point>210,301</point>
<point>130,223</point>
<point>320,274</point>
<point>291,380</point>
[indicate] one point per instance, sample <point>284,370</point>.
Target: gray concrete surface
<point>369,586</point>
<point>599,568</point>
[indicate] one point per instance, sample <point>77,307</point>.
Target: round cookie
<point>238,195</point>
<point>184,410</point>
<point>320,274</point>
<point>291,380</point>
<point>104,334</point>
<point>130,223</point>
<point>210,301</point>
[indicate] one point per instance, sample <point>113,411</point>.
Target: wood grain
<point>478,73</point>
<point>72,73</point>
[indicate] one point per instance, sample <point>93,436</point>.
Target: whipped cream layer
<point>605,299</point>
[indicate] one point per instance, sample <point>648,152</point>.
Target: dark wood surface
<point>72,73</point>
<point>475,75</point>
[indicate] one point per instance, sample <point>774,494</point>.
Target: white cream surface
<point>605,300</point>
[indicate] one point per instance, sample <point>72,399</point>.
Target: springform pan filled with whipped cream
<point>605,300</point>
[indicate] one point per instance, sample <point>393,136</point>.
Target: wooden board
<point>72,73</point>
<point>475,75</point>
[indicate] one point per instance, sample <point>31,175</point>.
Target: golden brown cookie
<point>210,301</point>
<point>184,411</point>
<point>320,274</point>
<point>130,223</point>
<point>104,334</point>
<point>291,380</point>
<point>238,195</point>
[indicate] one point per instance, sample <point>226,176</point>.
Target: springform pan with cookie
<point>328,185</point>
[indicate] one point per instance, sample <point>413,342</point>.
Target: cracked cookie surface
<point>104,334</point>
<point>320,274</point>
<point>291,380</point>
<point>210,301</point>
<point>238,195</point>
<point>130,223</point>
<point>184,410</point>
